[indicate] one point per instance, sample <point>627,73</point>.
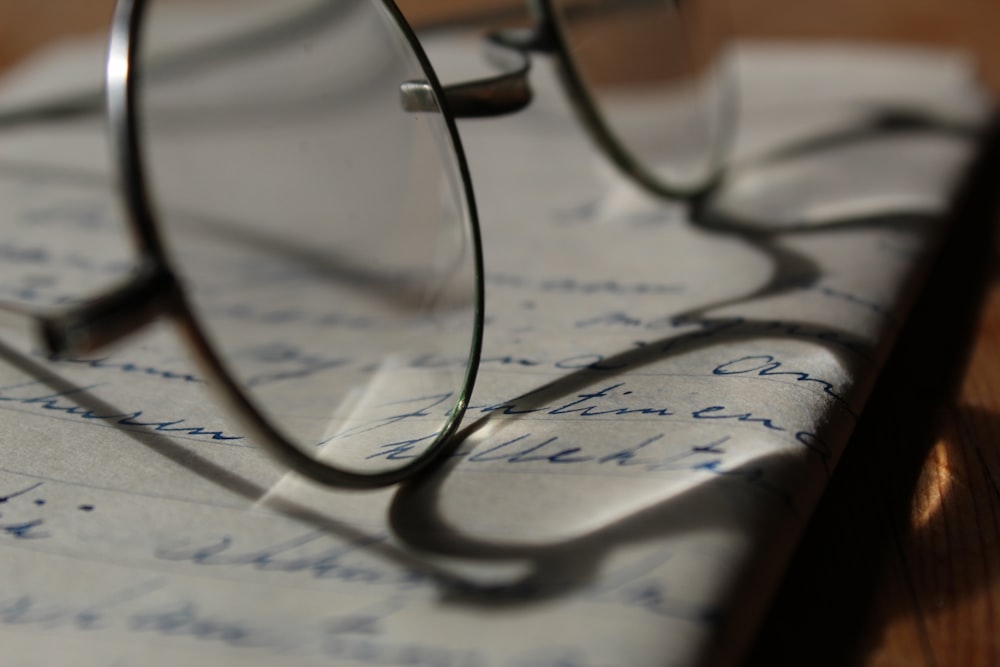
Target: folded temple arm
<point>143,297</point>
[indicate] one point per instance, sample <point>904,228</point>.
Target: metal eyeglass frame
<point>153,291</point>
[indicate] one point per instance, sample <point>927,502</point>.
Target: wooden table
<point>901,564</point>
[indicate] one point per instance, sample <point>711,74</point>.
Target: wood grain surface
<point>901,564</point>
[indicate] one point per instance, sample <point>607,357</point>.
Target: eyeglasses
<point>303,210</point>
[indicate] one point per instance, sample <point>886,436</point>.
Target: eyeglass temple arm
<point>507,92</point>
<point>141,298</point>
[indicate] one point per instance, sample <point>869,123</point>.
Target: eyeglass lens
<point>322,232</point>
<point>656,74</point>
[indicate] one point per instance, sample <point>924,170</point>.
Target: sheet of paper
<point>659,404</point>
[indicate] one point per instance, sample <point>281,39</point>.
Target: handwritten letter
<point>660,402</point>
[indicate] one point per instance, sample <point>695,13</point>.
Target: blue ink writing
<point>51,402</point>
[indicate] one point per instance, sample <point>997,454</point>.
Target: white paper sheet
<point>659,406</point>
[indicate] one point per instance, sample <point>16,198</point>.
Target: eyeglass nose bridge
<point>507,92</point>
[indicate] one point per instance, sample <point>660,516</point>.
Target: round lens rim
<point>589,113</point>
<point>123,77</point>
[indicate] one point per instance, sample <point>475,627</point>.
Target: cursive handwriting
<point>528,449</point>
<point>26,393</point>
<point>105,363</point>
<point>571,285</point>
<point>607,402</point>
<point>702,328</point>
<point>769,366</point>
<point>354,636</point>
<point>311,554</point>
